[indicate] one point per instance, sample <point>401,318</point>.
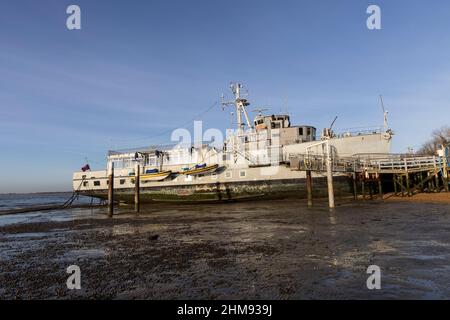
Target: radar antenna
<point>260,111</point>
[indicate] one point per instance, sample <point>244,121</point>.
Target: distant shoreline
<point>36,193</point>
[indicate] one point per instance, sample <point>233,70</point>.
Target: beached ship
<point>253,161</point>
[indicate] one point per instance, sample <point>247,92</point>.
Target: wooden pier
<point>372,175</point>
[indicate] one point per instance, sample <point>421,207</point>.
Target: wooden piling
<point>436,176</point>
<point>363,189</point>
<point>394,178</point>
<point>136,189</point>
<point>444,182</point>
<point>309,188</point>
<point>400,183</point>
<point>355,191</point>
<point>444,170</point>
<point>420,176</point>
<point>329,177</point>
<point>380,187</point>
<point>408,188</point>
<point>437,188</point>
<point>111,190</point>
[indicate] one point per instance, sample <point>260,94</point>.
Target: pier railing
<point>410,164</point>
<point>386,164</point>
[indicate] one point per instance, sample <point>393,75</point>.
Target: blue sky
<point>139,68</point>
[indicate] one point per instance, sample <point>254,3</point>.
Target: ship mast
<point>240,104</point>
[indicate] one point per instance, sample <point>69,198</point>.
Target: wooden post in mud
<point>309,188</point>
<point>394,178</point>
<point>400,183</point>
<point>430,182</point>
<point>136,189</point>
<point>444,169</point>
<point>420,177</point>
<point>363,189</point>
<point>111,190</point>
<point>437,187</point>
<point>436,176</point>
<point>329,177</point>
<point>408,193</point>
<point>408,188</point>
<point>355,192</point>
<point>380,187</point>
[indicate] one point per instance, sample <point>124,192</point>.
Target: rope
<point>73,196</point>
<point>172,129</point>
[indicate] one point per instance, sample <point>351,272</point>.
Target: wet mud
<point>249,250</point>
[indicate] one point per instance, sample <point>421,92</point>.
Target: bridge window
<point>96,183</point>
<point>276,125</point>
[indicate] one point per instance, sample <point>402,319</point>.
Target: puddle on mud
<point>73,255</point>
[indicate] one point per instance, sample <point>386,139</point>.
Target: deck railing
<point>392,163</point>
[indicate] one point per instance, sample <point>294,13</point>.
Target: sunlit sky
<point>138,69</point>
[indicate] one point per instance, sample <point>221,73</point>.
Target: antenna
<point>385,113</point>
<point>286,106</point>
<point>231,119</point>
<point>259,111</point>
<point>326,132</point>
<point>331,125</point>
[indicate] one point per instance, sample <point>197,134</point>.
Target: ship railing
<point>352,132</point>
<point>160,147</point>
<point>317,162</point>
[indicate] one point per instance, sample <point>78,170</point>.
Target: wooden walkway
<point>405,174</point>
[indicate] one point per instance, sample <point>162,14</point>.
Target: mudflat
<point>249,250</point>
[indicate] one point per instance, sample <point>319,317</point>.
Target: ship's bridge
<point>272,122</point>
<point>282,124</point>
